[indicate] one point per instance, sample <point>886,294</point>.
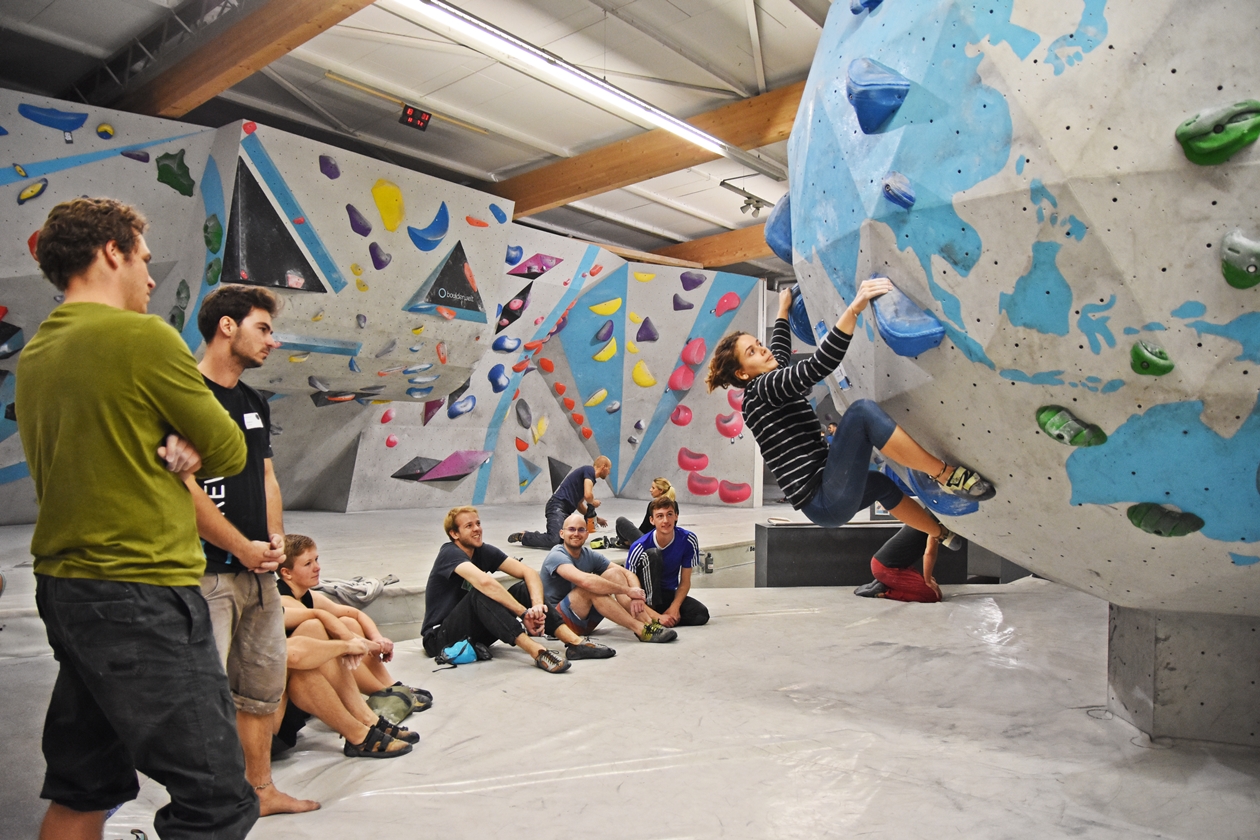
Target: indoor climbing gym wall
<point>54,151</point>
<point>1066,197</point>
<point>617,352</point>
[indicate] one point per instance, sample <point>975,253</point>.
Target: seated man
<point>583,588</point>
<point>663,559</point>
<point>894,577</point>
<point>339,621</point>
<point>464,601</point>
<point>575,493</point>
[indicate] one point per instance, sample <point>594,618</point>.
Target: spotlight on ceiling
<point>754,203</point>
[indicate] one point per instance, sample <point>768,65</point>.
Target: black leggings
<point>478,618</point>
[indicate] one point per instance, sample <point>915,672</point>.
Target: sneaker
<point>949,539</point>
<point>589,650</point>
<point>968,483</point>
<point>657,632</point>
<point>551,662</point>
<point>871,590</point>
<point>515,539</point>
<point>598,543</point>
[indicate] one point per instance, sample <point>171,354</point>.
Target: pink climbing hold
<point>388,415</point>
<point>728,302</point>
<point>249,127</point>
<point>735,398</point>
<point>692,461</point>
<point>730,425</point>
<point>682,379</point>
<point>515,304</point>
<point>391,441</point>
<point>681,416</point>
<point>701,485</point>
<point>694,353</point>
<point>732,493</point>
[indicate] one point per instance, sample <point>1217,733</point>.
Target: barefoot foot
<point>272,801</point>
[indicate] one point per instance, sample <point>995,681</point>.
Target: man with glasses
<point>583,588</point>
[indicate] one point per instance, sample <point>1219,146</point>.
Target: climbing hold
<point>681,416</point>
<point>105,131</point>
<point>694,353</point>
<point>632,440</point>
<point>521,366</point>
<point>380,259</point>
<point>214,269</point>
<point>499,380</point>
<point>441,351</point>
<point>514,254</point>
<point>701,485</point>
<point>430,236</point>
<point>798,318</point>
<point>506,344</point>
<point>610,350</point>
<point>431,408</point>
<point>356,269</point>
<point>300,357</point>
<point>249,127</point>
<point>536,344</point>
<point>524,417</point>
<point>475,222</point>
<point>212,233</point>
<point>358,222</point>
<point>682,379</point>
<point>560,388</point>
<point>613,407</point>
<point>596,398</point>
<point>135,154</point>
<point>1149,359</point>
<point>1060,424</point>
<point>568,403</point>
<point>859,6</point>
<point>416,393</point>
<point>391,441</point>
<point>361,320</point>
<point>32,191</point>
<point>647,331</point>
<point>906,329</point>
<point>735,398</point>
<point>640,425</point>
<point>1163,521</point>
<point>20,170</point>
<point>1240,262</point>
<point>733,493</point>
<point>64,121</point>
<point>360,284</point>
<point>446,312</point>
<point>354,366</point>
<point>328,166</point>
<point>183,294</point>
<point>578,418</point>
<point>387,416</point>
<point>778,230</point>
<point>634,317</point>
<point>463,405</point>
<point>389,203</point>
<point>692,461</point>
<point>728,302</point>
<point>680,304</point>
<point>608,307</point>
<point>586,432</point>
<point>414,369</point>
<point>604,332</point>
<point>897,189</point>
<point>317,383</point>
<point>875,92</point>
<point>175,319</point>
<point>1214,137</point>
<point>173,172</point>
<point>642,376</point>
<point>692,280</point>
<point>643,276</point>
<point>387,349</point>
<point>521,445</point>
<point>499,215</point>
<point>631,347</point>
<point>540,428</point>
<point>730,425</point>
<point>547,365</point>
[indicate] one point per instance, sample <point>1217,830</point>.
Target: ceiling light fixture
<point>755,203</point>
<point>456,24</point>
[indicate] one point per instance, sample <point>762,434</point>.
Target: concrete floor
<point>795,713</point>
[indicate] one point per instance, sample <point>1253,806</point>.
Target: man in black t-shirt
<point>463,600</point>
<point>575,493</point>
<point>241,522</point>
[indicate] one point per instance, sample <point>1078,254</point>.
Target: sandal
<point>965,482</point>
<point>376,745</point>
<point>393,730</point>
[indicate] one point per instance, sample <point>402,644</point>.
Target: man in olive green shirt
<point>113,413</point>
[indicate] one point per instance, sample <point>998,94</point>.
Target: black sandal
<point>376,745</point>
<point>393,730</point>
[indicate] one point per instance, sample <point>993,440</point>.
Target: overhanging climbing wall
<point>1018,170</point>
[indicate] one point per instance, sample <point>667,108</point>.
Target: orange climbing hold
<point>520,366</point>
<point>447,313</point>
<point>521,445</point>
<point>560,389</point>
<point>569,404</point>
<point>475,222</point>
<point>578,418</point>
<point>468,275</point>
<point>547,365</point>
<point>586,432</point>
<point>534,345</point>
<point>441,351</point>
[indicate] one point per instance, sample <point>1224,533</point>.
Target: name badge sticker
<point>253,421</point>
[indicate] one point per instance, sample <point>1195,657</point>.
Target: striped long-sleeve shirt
<point>777,409</point>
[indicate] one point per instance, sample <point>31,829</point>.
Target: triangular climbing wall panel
<point>261,250</point>
<point>451,289</point>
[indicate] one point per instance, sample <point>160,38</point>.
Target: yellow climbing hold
<point>539,428</point>
<point>360,285</point>
<point>642,376</point>
<point>636,317</point>
<point>356,269</point>
<point>596,398</point>
<point>17,167</point>
<point>643,276</point>
<point>608,307</point>
<point>389,203</point>
<point>318,316</point>
<point>417,330</point>
<point>610,350</point>
<point>299,357</point>
<point>631,347</point>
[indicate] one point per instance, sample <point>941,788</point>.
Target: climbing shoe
<point>393,730</point>
<point>589,650</point>
<point>376,745</point>
<point>515,539</point>
<point>1149,359</point>
<point>551,662</point>
<point>871,590</point>
<point>657,632</point>
<point>949,539</point>
<point>599,543</point>
<point>964,482</point>
<point>1059,423</point>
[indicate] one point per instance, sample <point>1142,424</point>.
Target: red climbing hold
<point>596,269</point>
<point>701,485</point>
<point>732,493</point>
<point>32,242</point>
<point>547,365</point>
<point>560,389</point>
<point>249,127</point>
<point>569,404</point>
<point>388,415</point>
<point>692,461</point>
<point>578,418</point>
<point>586,432</point>
<point>300,220</point>
<point>475,222</point>
<point>521,445</point>
<point>468,275</point>
<point>391,441</point>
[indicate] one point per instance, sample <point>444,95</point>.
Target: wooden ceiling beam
<point>728,248</point>
<point>234,53</point>
<point>748,124</point>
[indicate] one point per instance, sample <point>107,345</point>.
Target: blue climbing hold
<point>354,366</point>
<point>897,189</point>
<point>499,380</point>
<point>906,328</point>
<point>430,236</point>
<point>778,229</point>
<point>798,318</point>
<point>875,92</point>
<point>51,117</point>
<point>859,6</point>
<point>514,254</point>
<point>497,212</point>
<point>505,344</point>
<point>462,405</point>
<point>419,392</point>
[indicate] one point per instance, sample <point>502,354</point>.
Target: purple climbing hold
<point>380,259</point>
<point>605,332</point>
<point>680,304</point>
<point>135,154</point>
<point>647,330</point>
<point>463,405</point>
<point>691,280</point>
<point>358,222</point>
<point>640,425</point>
<point>361,320</point>
<point>499,380</point>
<point>329,167</point>
<point>431,408</point>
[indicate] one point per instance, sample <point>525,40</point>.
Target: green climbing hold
<point>1057,422</point>
<point>182,294</point>
<point>1149,359</point>
<point>1214,137</point>
<point>212,230</point>
<point>176,319</point>
<point>1163,521</point>
<point>213,269</point>
<point>1241,261</point>
<point>173,172</point>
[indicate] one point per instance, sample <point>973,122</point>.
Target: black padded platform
<point>807,555</point>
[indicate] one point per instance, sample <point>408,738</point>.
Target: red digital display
<point>414,117</point>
